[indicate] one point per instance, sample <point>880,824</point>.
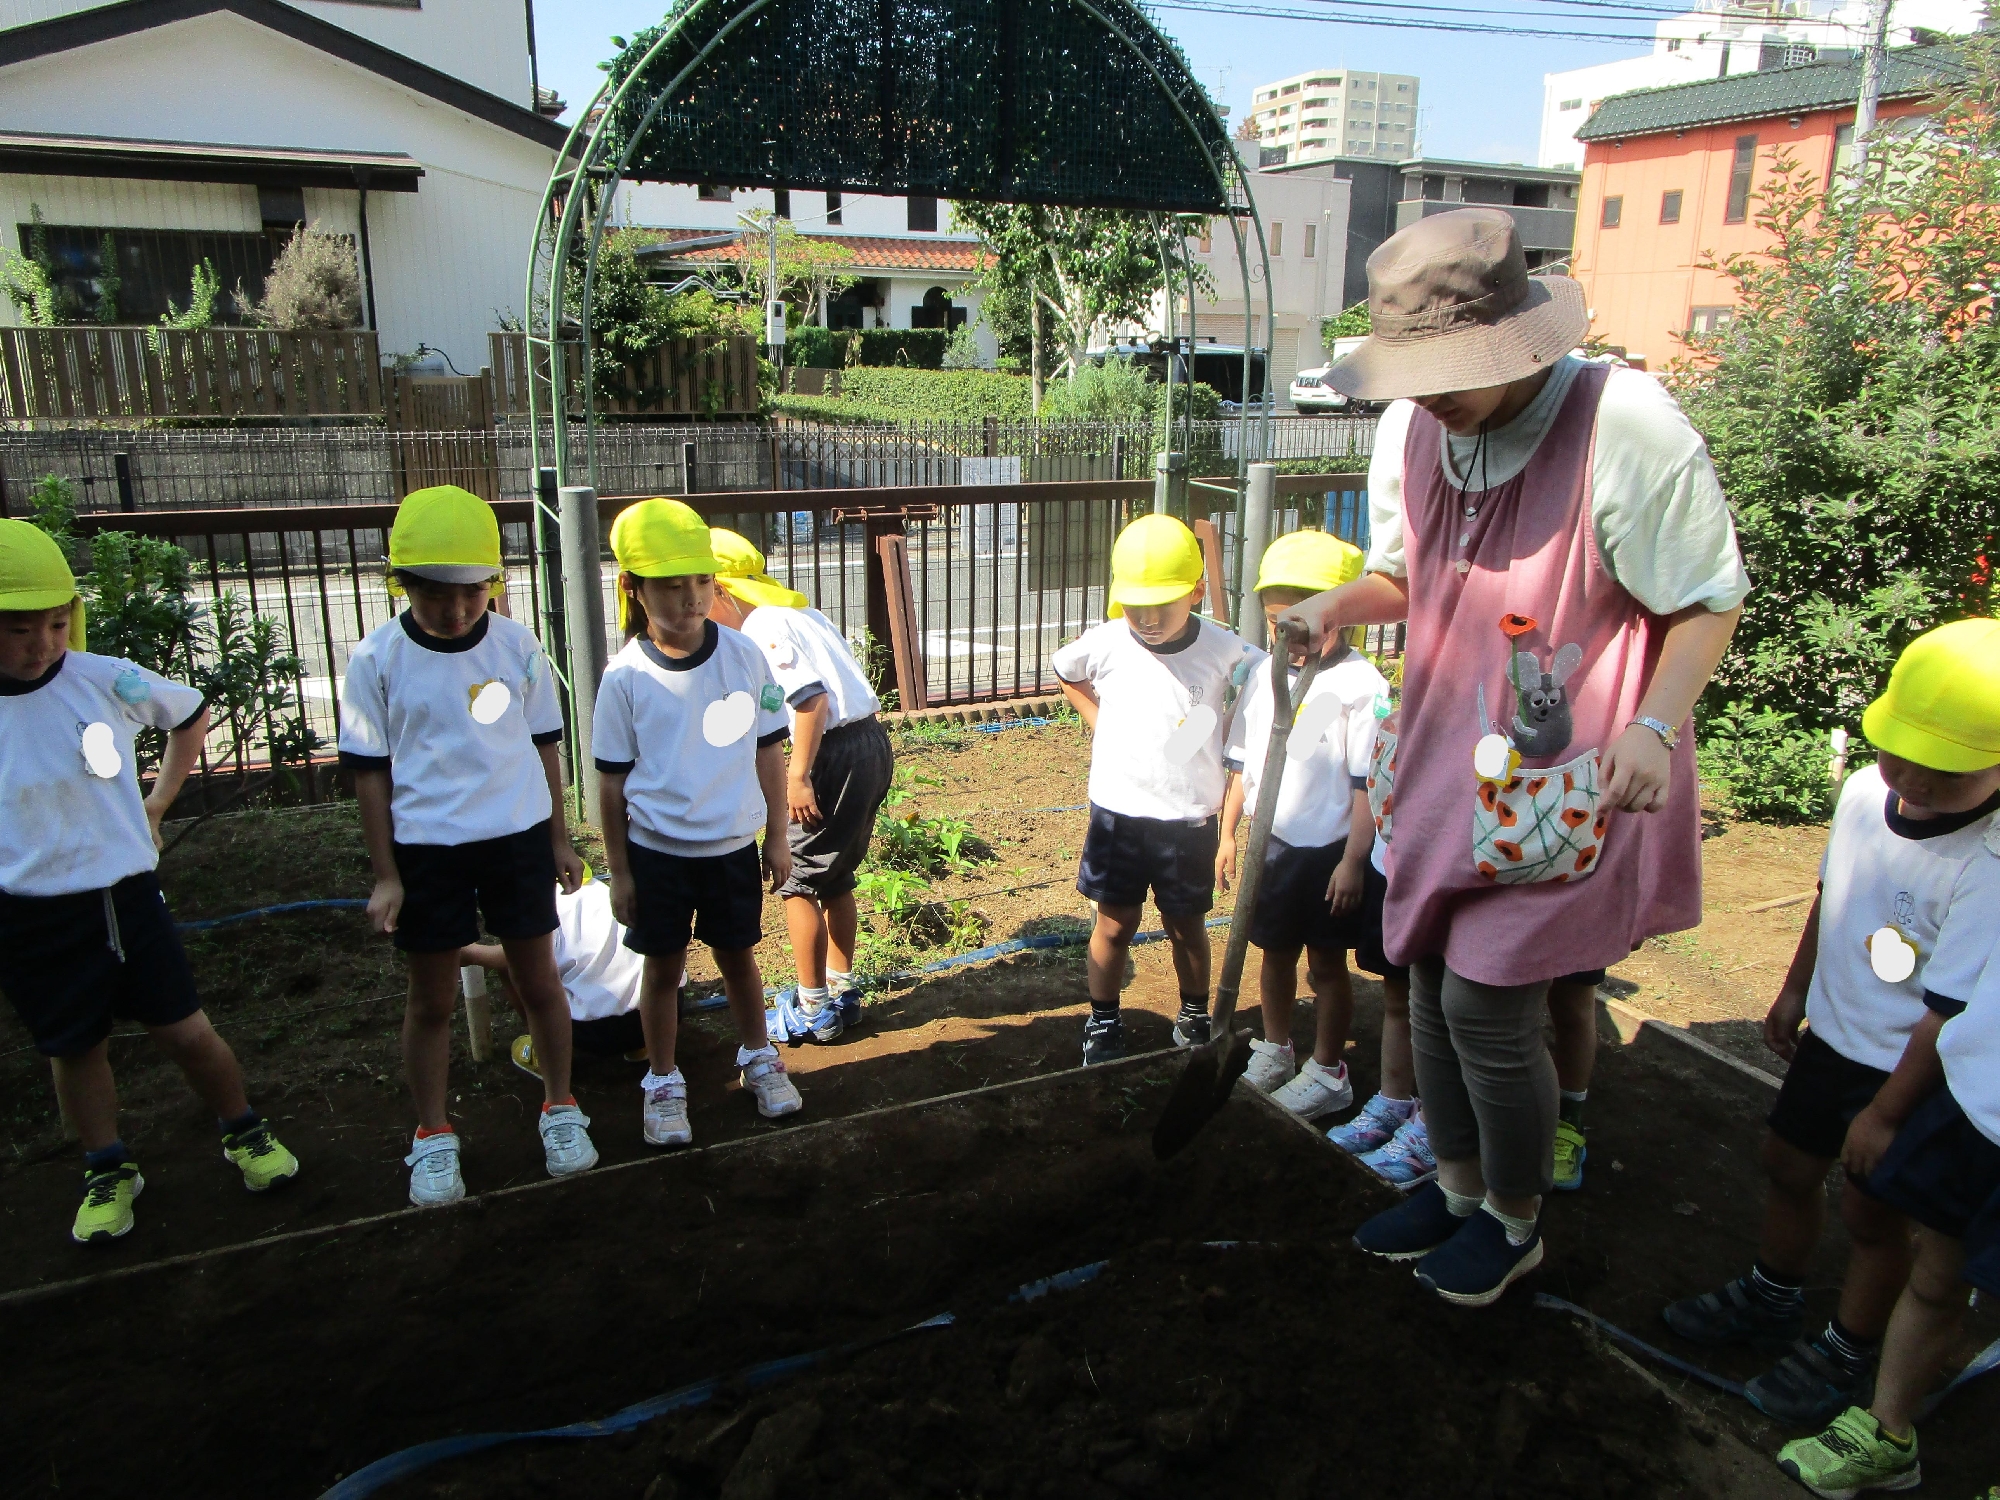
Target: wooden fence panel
<point>683,377</point>
<point>98,374</point>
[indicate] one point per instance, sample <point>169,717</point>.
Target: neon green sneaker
<point>263,1162</point>
<point>1570,1152</point>
<point>1852,1455</point>
<point>106,1210</point>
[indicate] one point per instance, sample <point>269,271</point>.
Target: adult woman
<point>1553,532</point>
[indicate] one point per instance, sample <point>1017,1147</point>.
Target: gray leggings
<point>1485,1076</point>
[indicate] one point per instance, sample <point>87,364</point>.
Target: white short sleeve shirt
<point>808,656</point>
<point>1162,717</point>
<point>685,732</point>
<point>71,816</point>
<point>600,975</point>
<point>1662,525</point>
<point>1934,885</point>
<point>1327,754</point>
<point>457,724</point>
<point>1969,1048</point>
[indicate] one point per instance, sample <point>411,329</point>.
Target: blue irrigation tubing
<point>1984,1362</point>
<point>1638,1345</point>
<point>273,911</point>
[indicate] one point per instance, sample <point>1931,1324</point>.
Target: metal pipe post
<point>583,596</point>
<point>1257,501</point>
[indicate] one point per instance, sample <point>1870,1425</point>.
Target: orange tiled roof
<point>872,252</point>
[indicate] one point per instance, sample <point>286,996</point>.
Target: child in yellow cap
<point>450,723</point>
<point>1895,943</point>
<point>1157,685</point>
<point>1315,869</point>
<point>840,770</point>
<point>1937,733</point>
<point>85,935</point>
<point>689,737</point>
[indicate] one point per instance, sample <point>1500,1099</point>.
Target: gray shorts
<point>850,777</point>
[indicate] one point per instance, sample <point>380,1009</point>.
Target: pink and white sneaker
<point>764,1076</point>
<point>1406,1162</point>
<point>1380,1118</point>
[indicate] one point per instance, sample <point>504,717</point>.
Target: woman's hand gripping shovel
<point>1214,1066</point>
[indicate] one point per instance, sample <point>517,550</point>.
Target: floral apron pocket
<point>1539,825</point>
<point>1382,782</point>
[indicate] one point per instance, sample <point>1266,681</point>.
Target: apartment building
<point>1336,112</point>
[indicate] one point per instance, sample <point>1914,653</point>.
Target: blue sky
<point>1482,95</point>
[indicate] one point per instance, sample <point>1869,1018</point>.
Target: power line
<point>1263,14</point>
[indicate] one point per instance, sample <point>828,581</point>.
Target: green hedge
<point>938,395</point>
<point>816,348</point>
<point>821,409</point>
<point>918,348</point>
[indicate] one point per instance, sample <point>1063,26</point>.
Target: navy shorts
<point>1124,857</point>
<point>1368,954</point>
<point>447,887</point>
<point>1292,908</point>
<point>1822,1093</point>
<point>717,898</point>
<point>1946,1175</point>
<point>850,778</point>
<point>71,965</point>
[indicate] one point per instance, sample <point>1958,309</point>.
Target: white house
<point>1727,37</point>
<point>914,269</point>
<point>205,129</point>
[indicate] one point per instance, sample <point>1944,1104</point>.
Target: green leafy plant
<point>917,348</point>
<point>961,350</point>
<point>314,283</point>
<point>1348,323</point>
<point>204,292</point>
<point>252,683</point>
<point>1760,763</point>
<point>52,507</point>
<point>30,280</point>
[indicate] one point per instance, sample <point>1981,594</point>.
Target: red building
<point>1670,177</point>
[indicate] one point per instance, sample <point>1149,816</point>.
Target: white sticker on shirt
<point>1310,727</point>
<point>489,701</point>
<point>727,720</point>
<point>1891,956</point>
<point>1194,731</point>
<point>100,751</point>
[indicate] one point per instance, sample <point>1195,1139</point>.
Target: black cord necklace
<point>1471,508</point>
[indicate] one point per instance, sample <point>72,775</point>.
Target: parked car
<point>1311,393</point>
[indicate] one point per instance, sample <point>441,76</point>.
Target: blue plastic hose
<point>273,911</point>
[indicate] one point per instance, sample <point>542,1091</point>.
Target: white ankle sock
<point>745,1057</point>
<point>812,1000</point>
<point>838,980</point>
<point>1518,1230</point>
<point>1462,1205</point>
<point>1401,1108</point>
<point>653,1080</point>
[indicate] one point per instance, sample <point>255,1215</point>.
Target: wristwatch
<point>1669,736</point>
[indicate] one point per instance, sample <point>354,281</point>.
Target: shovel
<point>1214,1066</point>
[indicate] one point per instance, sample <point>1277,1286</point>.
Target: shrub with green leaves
<point>1760,763</point>
<point>917,348</point>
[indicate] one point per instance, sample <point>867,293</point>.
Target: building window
<point>708,192</point>
<point>1312,241</point>
<point>1277,240</point>
<point>1290,88</point>
<point>833,205</point>
<point>936,311</point>
<point>781,202</point>
<point>1673,44</point>
<point>1614,210</point>
<point>1670,207</point>
<point>153,268</point>
<point>923,215</point>
<point>1737,209</point>
<point>1570,104</point>
<point>1207,236</point>
<point>1710,319</point>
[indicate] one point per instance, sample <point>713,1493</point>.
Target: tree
<point>314,283</point>
<point>812,270</point>
<point>1074,270</point>
<point>1850,409</point>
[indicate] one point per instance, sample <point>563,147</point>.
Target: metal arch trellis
<point>588,173</point>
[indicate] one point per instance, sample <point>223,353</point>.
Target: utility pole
<point>774,307</point>
<point>1872,60</point>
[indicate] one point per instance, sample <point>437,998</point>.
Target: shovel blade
<point>1200,1092</point>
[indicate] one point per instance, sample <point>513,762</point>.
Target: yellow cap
<point>1941,708</point>
<point>34,575</point>
<point>1155,560</point>
<point>659,538</point>
<point>445,533</point>
<point>1310,560</point>
<point>739,569</point>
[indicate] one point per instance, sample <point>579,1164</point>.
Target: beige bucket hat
<point>1452,307</point>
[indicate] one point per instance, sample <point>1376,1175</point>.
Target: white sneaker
<point>1317,1091</point>
<point>1271,1066</point>
<point>764,1076</point>
<point>434,1174</point>
<point>566,1146</point>
<point>666,1113</point>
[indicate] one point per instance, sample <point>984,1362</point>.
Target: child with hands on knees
<point>689,736</point>
<point>450,723</point>
<point>1314,870</point>
<point>1895,943</point>
<point>1157,685</point>
<point>85,935</point>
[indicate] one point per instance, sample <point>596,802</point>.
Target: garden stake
<point>1214,1066</point>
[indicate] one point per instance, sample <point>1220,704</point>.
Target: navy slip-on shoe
<point>1416,1226</point>
<point>1478,1264</point>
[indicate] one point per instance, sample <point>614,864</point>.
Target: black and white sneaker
<point>1192,1030</point>
<point>1103,1041</point>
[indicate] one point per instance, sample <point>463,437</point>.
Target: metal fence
<point>158,468</point>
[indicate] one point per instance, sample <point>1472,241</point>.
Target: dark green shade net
<point>1014,101</point>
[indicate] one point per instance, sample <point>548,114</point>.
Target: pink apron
<point>1511,870</point>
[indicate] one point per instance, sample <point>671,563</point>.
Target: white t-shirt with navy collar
<point>1936,882</point>
<point>71,815</point>
<point>1163,715</point>
<point>809,656</point>
<point>1969,1048</point>
<point>1316,797</point>
<point>685,732</point>
<point>456,723</point>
